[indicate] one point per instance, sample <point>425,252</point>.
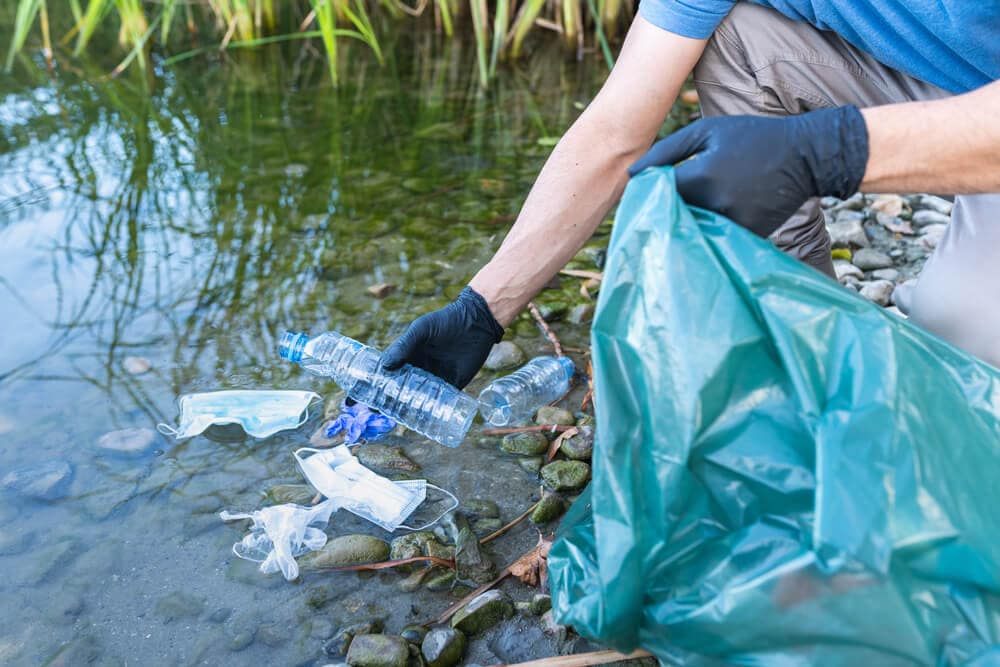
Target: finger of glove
<point>677,147</point>
<point>403,348</point>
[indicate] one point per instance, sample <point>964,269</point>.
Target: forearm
<point>577,186</point>
<point>949,146</point>
<point>586,173</point>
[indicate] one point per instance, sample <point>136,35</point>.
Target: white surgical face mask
<point>261,413</point>
<point>338,475</point>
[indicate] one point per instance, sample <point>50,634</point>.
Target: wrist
<point>836,149</point>
<point>494,299</point>
<point>483,315</point>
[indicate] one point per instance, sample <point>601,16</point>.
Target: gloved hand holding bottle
<point>452,343</point>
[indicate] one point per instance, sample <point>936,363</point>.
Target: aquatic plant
<point>498,27</point>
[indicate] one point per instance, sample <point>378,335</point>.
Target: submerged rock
<point>341,641</point>
<point>566,475</point>
<point>411,545</point>
<point>385,458</point>
<point>414,633</point>
<point>472,565</point>
<point>378,651</point>
<point>529,443</point>
<point>481,508</point>
<point>180,605</point>
<point>579,447</point>
<point>443,647</point>
<point>531,463</point>
<point>441,581</point>
<point>483,612</point>
<point>272,634</point>
<point>346,550</point>
<point>550,507</point>
<point>549,414</point>
<point>503,356</point>
<point>48,480</point>
<point>300,494</point>
<point>127,441</point>
<point>484,527</point>
<point>136,365</point>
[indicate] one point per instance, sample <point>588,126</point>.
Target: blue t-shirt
<point>954,44</point>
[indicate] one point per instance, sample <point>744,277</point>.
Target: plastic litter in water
<point>262,413</point>
<point>358,422</point>
<point>516,396</point>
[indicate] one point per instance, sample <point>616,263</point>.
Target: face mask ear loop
<point>454,504</point>
<point>167,429</point>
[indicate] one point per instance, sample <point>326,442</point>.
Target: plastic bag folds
<point>783,474</point>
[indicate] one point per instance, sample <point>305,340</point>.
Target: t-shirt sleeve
<point>696,19</point>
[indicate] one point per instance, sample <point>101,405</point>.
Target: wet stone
<point>127,442</point>
<point>411,545</point>
<point>299,494</point>
<point>482,508</point>
<point>241,640</point>
<point>341,642</point>
<point>550,414</point>
<point>85,650</point>
<point>180,605</point>
<point>540,603</point>
<point>413,581</point>
<point>566,475</point>
<point>48,480</point>
<point>483,612</point>
<point>503,356</point>
<point>318,596</point>
<point>136,365</point>
<point>531,463</point>
<point>553,312</point>
<point>869,259</point>
<point>550,507</point>
<point>441,581</point>
<point>483,527</point>
<point>579,447</point>
<point>378,651</point>
<point>443,647</point>
<point>220,615</point>
<point>934,203</point>
<point>272,634</point>
<point>346,550</point>
<point>385,458</point>
<point>414,633</point>
<point>528,443</point>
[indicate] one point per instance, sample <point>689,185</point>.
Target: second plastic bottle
<point>413,397</point>
<point>516,396</point>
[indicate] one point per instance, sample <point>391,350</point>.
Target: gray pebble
<point>846,215</point>
<point>503,356</point>
<point>869,259</point>
<point>48,480</point>
<point>443,647</point>
<point>933,203</point>
<point>127,441</point>
<point>848,234</point>
<point>180,605</point>
<point>845,269</point>
<point>928,217</point>
<point>878,291</point>
<point>892,275</point>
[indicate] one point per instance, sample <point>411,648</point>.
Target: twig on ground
<point>557,443</point>
<point>589,396</point>
<point>386,564</point>
<point>546,329</point>
<point>582,659</point>
<point>554,428</point>
<point>497,533</point>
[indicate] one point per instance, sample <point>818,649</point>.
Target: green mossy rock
<point>579,447</point>
<point>385,458</point>
<point>378,651</point>
<point>530,443</point>
<point>481,508</point>
<point>549,508</point>
<point>531,463</point>
<point>550,414</point>
<point>443,647</point>
<point>566,475</point>
<point>346,550</point>
<point>483,612</point>
<point>411,545</point>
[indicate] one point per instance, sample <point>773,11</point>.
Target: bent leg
<point>957,295</point>
<point>761,63</point>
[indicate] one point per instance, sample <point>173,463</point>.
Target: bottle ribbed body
<point>515,397</point>
<point>418,400</point>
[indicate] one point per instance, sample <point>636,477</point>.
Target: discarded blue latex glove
<point>358,422</point>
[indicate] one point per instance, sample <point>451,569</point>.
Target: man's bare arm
<point>949,146</point>
<point>586,172</point>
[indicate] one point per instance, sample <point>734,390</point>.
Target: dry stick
<point>497,533</point>
<point>546,329</point>
<point>554,428</point>
<point>582,659</point>
<point>392,563</point>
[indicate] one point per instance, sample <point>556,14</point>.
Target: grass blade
<point>524,22</point>
<point>88,23</point>
<point>501,21</point>
<point>478,9</point>
<point>444,8</point>
<point>26,12</point>
<point>327,20</point>
<point>169,7</point>
<point>599,31</point>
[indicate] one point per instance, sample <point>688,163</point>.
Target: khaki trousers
<point>762,63</point>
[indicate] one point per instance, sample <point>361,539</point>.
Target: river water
<point>188,218</point>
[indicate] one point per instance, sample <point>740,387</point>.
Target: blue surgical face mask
<point>260,413</point>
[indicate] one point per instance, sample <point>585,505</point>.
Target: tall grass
<point>499,28</point>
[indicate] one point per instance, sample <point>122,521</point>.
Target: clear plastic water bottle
<point>516,396</point>
<point>413,397</point>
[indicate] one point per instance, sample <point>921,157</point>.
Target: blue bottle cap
<point>567,365</point>
<point>291,345</point>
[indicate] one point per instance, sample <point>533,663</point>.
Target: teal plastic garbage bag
<point>783,474</point>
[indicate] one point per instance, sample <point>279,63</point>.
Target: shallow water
<point>190,222</point>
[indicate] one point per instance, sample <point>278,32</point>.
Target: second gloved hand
<point>452,342</point>
<point>758,171</point>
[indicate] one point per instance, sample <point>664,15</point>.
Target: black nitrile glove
<point>758,171</point>
<point>452,342</point>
